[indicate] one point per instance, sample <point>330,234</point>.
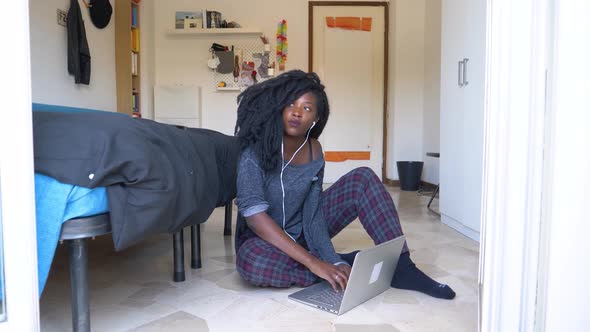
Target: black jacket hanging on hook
<point>78,51</point>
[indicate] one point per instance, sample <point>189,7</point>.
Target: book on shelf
<point>135,40</point>
<point>135,104</point>
<point>134,16</point>
<point>134,64</point>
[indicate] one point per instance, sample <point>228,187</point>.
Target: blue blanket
<point>55,203</point>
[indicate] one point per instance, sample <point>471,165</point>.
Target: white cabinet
<point>461,113</point>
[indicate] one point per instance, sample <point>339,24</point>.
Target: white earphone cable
<point>283,168</point>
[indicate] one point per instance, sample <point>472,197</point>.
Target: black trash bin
<point>410,173</point>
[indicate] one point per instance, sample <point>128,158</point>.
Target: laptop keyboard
<point>328,296</point>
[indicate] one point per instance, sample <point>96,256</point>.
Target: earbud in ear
<point>312,125</point>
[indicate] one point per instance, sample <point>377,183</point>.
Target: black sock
<point>408,276</point>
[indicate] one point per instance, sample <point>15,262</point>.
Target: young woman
<point>286,221</point>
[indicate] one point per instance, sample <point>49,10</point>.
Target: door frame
<point>17,172</point>
<point>517,165</point>
<point>385,6</point>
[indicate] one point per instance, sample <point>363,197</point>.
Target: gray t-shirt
<point>260,191</point>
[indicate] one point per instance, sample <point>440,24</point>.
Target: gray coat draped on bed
<point>159,177</point>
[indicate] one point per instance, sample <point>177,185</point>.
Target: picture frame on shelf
<point>188,20</point>
<point>193,23</point>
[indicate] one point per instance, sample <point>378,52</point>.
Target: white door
<point>351,64</point>
<point>461,119</point>
<point>20,297</point>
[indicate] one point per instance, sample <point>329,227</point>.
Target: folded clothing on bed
<point>55,203</point>
<point>159,177</point>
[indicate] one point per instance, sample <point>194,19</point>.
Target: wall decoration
<point>282,46</point>
<point>350,23</point>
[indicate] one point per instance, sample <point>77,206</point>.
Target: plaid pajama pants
<point>360,194</point>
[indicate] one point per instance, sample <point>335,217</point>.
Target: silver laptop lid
<point>372,272</point>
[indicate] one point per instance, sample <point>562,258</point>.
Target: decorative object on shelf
<point>214,19</point>
<point>249,65</point>
<point>282,46</point>
<point>219,47</point>
<point>265,43</point>
<point>236,72</point>
<point>188,20</point>
<point>261,60</point>
<point>233,25</point>
<point>213,62</point>
<point>248,74</point>
<point>100,12</point>
<point>226,61</point>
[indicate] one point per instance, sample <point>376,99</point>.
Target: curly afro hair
<point>260,108</point>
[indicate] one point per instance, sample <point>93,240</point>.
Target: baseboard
<point>459,227</point>
<point>423,184</point>
<point>391,183</point>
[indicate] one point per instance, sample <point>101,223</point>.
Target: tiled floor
<point>133,289</point>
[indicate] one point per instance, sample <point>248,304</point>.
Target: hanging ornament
<point>282,46</point>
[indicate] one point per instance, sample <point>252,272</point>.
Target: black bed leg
<point>78,253</point>
<point>228,212</point>
<point>196,246</point>
<point>178,244</point>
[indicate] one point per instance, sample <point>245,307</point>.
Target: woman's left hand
<point>345,268</point>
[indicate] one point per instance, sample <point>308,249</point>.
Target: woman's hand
<point>346,269</point>
<point>336,275</point>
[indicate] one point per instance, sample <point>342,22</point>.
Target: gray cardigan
<point>259,191</point>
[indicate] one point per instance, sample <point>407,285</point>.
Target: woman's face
<point>299,116</point>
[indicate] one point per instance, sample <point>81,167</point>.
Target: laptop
<point>370,276</point>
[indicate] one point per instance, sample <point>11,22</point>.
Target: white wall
<point>51,83</point>
<point>147,57</point>
<point>411,133</point>
<point>431,118</point>
<point>406,94</point>
<point>183,59</point>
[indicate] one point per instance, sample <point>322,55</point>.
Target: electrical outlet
<point>61,17</point>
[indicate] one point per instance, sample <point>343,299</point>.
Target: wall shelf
<point>228,31</point>
<point>230,88</point>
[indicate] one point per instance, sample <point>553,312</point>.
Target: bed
<point>100,173</point>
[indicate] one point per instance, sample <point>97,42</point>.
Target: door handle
<point>460,73</point>
<point>465,81</point>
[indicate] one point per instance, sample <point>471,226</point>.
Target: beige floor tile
<point>133,289</point>
<point>177,322</point>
